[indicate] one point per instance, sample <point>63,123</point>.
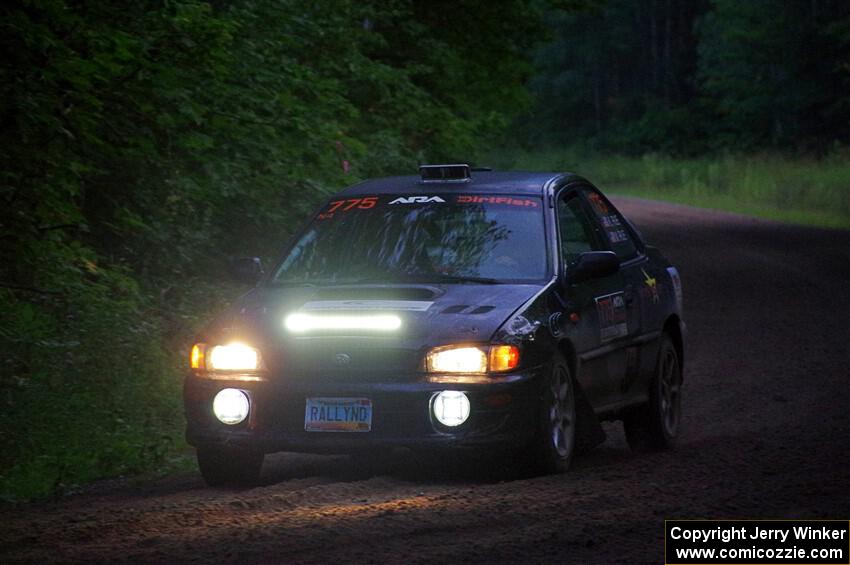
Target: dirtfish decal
<point>417,200</point>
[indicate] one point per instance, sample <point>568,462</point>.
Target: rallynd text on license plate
<point>338,415</point>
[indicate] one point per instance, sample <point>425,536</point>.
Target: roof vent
<point>445,173</point>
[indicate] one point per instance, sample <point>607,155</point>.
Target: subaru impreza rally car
<point>459,309</point>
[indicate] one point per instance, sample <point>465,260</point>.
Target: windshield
<point>400,238</point>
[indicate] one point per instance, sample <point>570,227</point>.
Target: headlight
<point>233,357</point>
<point>456,360</point>
<point>230,357</point>
<point>468,359</point>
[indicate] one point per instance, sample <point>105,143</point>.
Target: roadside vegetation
<point>144,144</point>
<point>813,191</point>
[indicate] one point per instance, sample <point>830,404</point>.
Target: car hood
<point>431,315</point>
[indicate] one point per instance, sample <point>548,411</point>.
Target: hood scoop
<point>483,309</point>
<point>377,293</point>
<point>462,309</point>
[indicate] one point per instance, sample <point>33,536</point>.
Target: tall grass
<point>797,190</point>
<point>99,394</point>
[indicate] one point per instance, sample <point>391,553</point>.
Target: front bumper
<point>502,415</point>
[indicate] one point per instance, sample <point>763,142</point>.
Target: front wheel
<point>229,466</point>
<point>655,425</point>
<point>554,442</point>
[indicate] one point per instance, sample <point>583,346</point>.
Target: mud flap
<point>589,432</point>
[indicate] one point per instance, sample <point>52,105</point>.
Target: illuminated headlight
<point>469,359</point>
<point>451,408</point>
<point>231,406</point>
<point>232,357</point>
<point>301,322</point>
<point>457,360</point>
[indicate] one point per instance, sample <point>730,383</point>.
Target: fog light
<point>451,408</point>
<point>230,406</point>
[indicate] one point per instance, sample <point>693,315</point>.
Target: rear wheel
<point>554,442</point>
<point>229,466</point>
<point>655,425</point>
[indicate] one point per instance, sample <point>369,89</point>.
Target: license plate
<point>338,415</point>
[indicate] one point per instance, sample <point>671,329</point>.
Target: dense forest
<point>145,143</point>
<point>690,76</point>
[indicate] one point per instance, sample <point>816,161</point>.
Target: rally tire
<point>229,466</point>
<point>655,424</point>
<point>553,446</point>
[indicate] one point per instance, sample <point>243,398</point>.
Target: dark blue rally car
<point>504,312</point>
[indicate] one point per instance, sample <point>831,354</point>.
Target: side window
<point>613,226</point>
<point>575,228</point>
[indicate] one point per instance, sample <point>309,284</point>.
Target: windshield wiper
<point>444,277</point>
<point>393,277</point>
<point>291,283</point>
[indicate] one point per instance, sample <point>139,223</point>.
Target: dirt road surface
<point>767,435</point>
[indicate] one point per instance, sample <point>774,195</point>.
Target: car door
<point>595,311</point>
<point>639,288</point>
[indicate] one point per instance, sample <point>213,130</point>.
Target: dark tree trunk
<point>668,31</point>
<point>653,46</point>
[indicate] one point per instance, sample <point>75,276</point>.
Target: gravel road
<point>767,435</point>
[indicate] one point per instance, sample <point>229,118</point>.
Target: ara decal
<point>651,285</point>
<point>417,200</point>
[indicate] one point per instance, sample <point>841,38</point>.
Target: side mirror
<point>593,265</point>
<point>247,270</point>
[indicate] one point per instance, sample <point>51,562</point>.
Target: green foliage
<point>774,186</point>
<point>772,72</point>
<point>143,143</point>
